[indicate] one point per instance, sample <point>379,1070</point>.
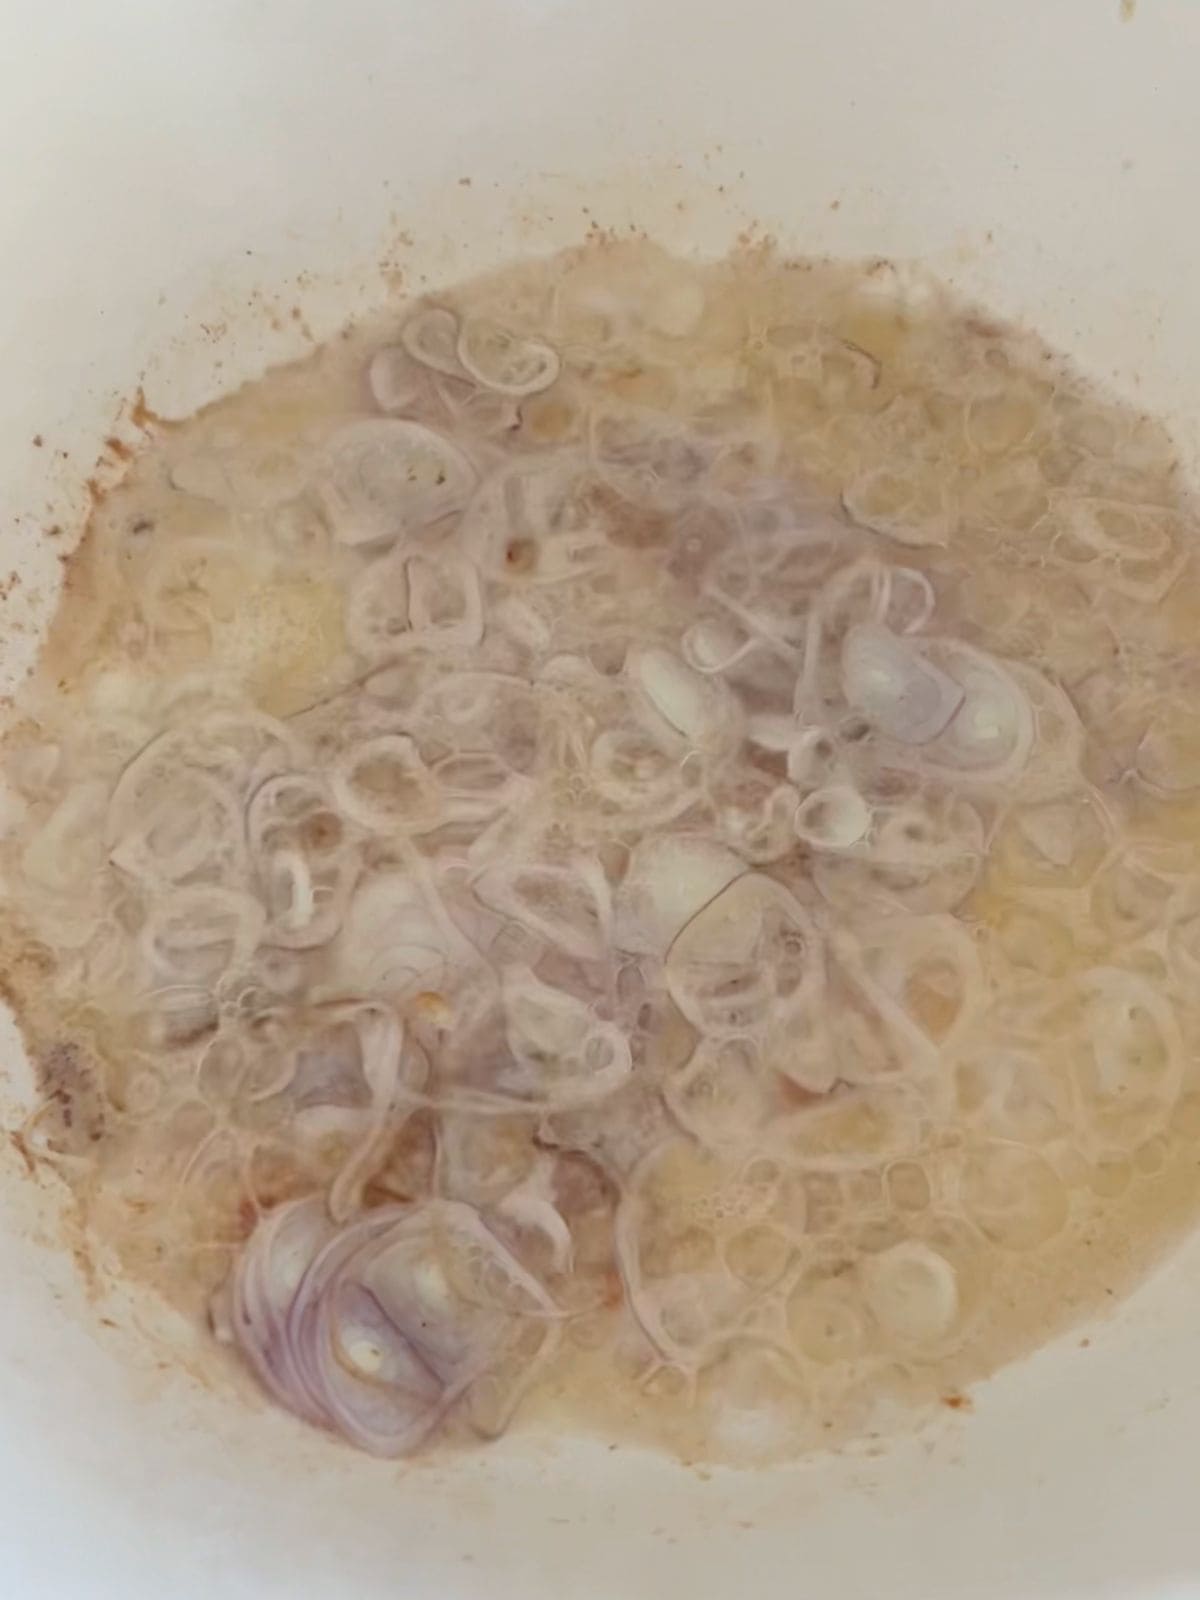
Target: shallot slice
<point>749,948</point>
<point>670,877</point>
<point>564,1056</point>
<point>630,770</point>
<point>912,1292</point>
<point>385,477</point>
<point>430,336</point>
<point>361,1376</point>
<point>445,602</point>
<point>1130,1075</point>
<point>569,906</point>
<point>504,361</point>
<point>532,522</point>
<point>401,1314</point>
<point>895,686</point>
<point>833,818</point>
<point>391,943</point>
<point>262,1289</point>
<point>383,785</point>
<point>684,704</point>
<point>377,607</point>
<point>992,734</point>
<point>382,1054</point>
<point>394,380</point>
<point>199,932</point>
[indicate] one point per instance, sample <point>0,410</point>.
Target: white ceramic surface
<point>178,174</point>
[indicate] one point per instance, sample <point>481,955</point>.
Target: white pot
<point>180,174</point>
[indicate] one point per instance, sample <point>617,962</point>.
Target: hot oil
<point>808,1258</point>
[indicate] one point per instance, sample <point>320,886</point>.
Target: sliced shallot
<point>505,361</point>
<point>904,695</point>
<point>384,478</point>
<point>670,877</point>
<point>430,336</point>
<point>378,1330</point>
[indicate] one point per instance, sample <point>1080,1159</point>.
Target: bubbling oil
<point>691,767</point>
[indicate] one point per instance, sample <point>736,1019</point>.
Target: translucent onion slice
<point>243,467</point>
<point>384,1063</point>
<point>923,854</point>
<point>992,736</point>
<point>189,824</point>
<point>504,361</point>
<point>1129,1074</point>
<point>195,934</point>
<point>1013,1195</point>
<point>752,947</point>
<point>476,786</point>
<point>774,731</point>
<point>394,380</point>
<point>445,603</point>
<point>670,877</point>
<point>1110,528</point>
<point>383,478</point>
<point>1008,1092</point>
<point>1056,758</point>
<point>901,599</point>
<point>543,1024</point>
<point>1139,551</point>
<point>814,759</point>
<point>924,976</point>
<point>484,413</point>
<point>768,621</point>
<point>715,645</point>
<point>755,816</point>
<point>885,1035</point>
<point>570,906</point>
<point>908,601</point>
<point>912,1292</point>
<point>391,942</point>
<point>565,1058</point>
<point>852,1130</point>
<point>383,785</point>
<point>914,509</point>
<point>1168,758</point>
<point>903,695</point>
<point>430,336</point>
<point>629,769</point>
<point>1135,893</point>
<point>294,808</point>
<point>359,1373</point>
<point>1056,844</point>
<point>531,1205</point>
<point>377,607</point>
<point>291,892</point>
<point>680,702</point>
<point>722,1096</point>
<point>533,522</point>
<point>690,1309</point>
<point>67,850</point>
<point>833,819</point>
<point>829,1322</point>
